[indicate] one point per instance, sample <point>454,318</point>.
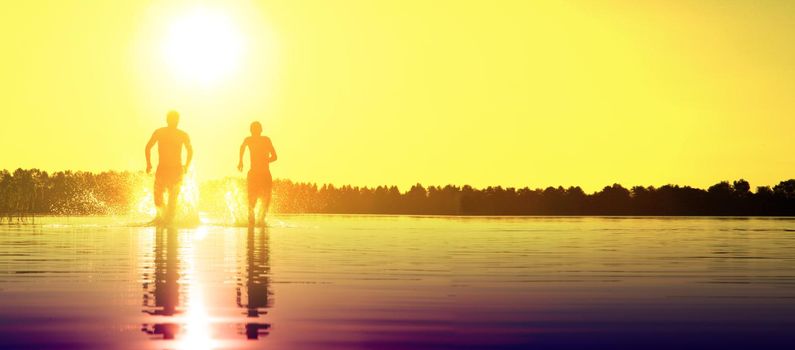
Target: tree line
<point>25,193</point>
<point>28,192</point>
<point>722,199</point>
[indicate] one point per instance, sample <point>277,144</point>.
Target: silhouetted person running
<point>168,176</point>
<point>262,154</point>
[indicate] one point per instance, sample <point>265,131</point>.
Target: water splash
<point>187,203</point>
<point>226,201</point>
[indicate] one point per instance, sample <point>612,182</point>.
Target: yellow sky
<point>365,92</point>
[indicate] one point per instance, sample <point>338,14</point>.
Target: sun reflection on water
<point>174,295</point>
<point>197,321</point>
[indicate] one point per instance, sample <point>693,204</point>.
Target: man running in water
<point>262,154</point>
<point>168,176</point>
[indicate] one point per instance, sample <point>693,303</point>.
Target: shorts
<point>167,178</point>
<point>259,185</point>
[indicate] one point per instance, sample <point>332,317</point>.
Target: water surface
<point>366,282</point>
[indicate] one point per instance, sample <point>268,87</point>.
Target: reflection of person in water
<point>254,293</point>
<point>262,153</point>
<point>168,176</point>
<point>165,288</point>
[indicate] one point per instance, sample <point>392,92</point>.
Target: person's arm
<point>189,148</point>
<point>273,155</point>
<point>147,151</point>
<point>242,152</point>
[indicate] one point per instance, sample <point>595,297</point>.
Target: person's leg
<point>252,198</point>
<point>252,203</point>
<point>173,195</point>
<point>158,197</point>
<point>266,198</point>
<point>262,209</point>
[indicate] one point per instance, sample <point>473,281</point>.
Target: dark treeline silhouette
<point>24,193</point>
<point>722,199</point>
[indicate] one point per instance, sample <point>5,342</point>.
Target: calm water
<point>345,282</point>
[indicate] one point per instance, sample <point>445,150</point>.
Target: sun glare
<point>203,46</point>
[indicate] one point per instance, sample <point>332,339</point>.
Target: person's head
<point>256,128</point>
<point>172,119</point>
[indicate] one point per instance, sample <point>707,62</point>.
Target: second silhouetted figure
<point>259,176</point>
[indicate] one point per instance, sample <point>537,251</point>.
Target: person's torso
<point>259,148</point>
<point>169,147</point>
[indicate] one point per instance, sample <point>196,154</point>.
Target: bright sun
<point>203,46</point>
